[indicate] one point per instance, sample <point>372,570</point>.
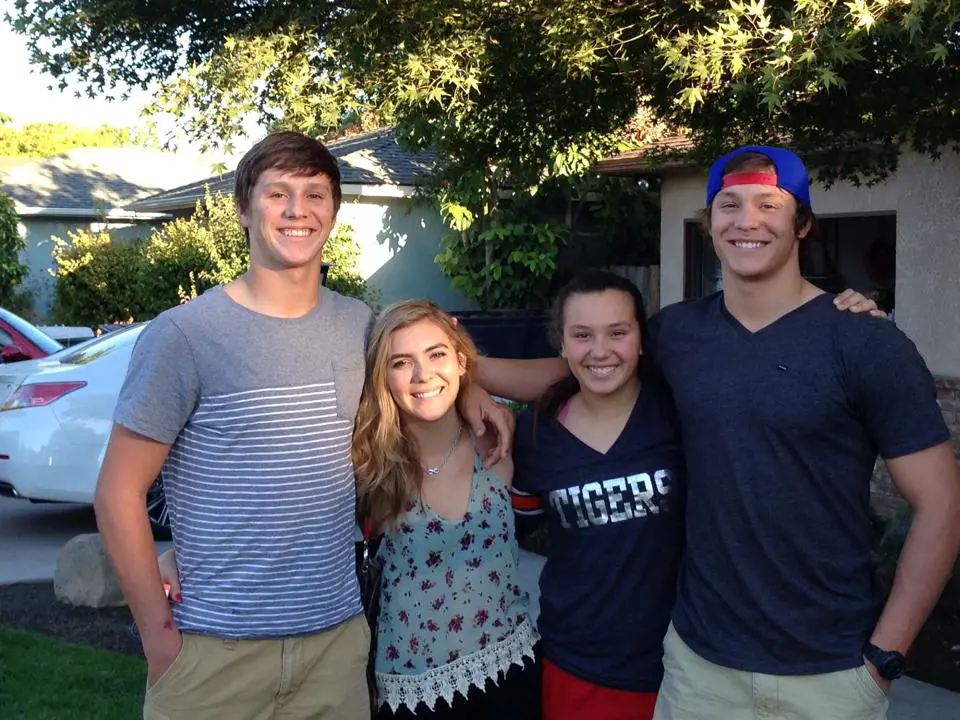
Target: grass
<point>46,679</point>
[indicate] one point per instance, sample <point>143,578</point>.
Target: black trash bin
<point>517,334</point>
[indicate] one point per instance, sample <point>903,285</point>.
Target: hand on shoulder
<point>856,302</point>
<point>503,467</point>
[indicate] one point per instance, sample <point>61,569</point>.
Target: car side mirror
<point>12,353</point>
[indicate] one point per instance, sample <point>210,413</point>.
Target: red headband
<point>749,178</point>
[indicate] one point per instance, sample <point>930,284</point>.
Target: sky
<point>26,98</point>
<point>26,95</point>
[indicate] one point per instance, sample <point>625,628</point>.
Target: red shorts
<point>567,697</point>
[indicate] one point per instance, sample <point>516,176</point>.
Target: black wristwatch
<point>889,663</point>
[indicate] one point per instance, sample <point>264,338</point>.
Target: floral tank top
<point>451,615</point>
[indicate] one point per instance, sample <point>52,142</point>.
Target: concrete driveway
<point>31,536</point>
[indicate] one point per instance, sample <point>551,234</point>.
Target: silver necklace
<point>434,471</point>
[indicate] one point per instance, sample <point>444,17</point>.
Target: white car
<point>56,414</point>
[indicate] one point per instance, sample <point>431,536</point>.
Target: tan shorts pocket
<point>172,672</point>
<point>869,684</point>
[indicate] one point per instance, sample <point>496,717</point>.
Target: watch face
<point>893,667</point>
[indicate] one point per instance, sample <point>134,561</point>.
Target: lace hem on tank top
<point>459,676</point>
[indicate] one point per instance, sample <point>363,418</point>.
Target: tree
<point>851,83</point>
<point>520,97</point>
<point>12,270</point>
<point>44,139</point>
<point>515,83</point>
<point>311,65</point>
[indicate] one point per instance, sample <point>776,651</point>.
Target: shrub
<point>97,281</point>
<point>343,252</point>
<point>23,303</point>
<point>189,255</point>
<point>12,270</point>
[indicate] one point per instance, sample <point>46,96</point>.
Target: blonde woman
<point>454,637</point>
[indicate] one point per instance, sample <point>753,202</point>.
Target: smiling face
<point>754,230</point>
<point>601,340</point>
<point>289,218</point>
<point>424,370</point>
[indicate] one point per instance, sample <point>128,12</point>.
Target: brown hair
<point>288,151</point>
<point>386,458</point>
<point>758,162</point>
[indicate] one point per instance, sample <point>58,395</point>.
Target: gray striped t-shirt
<point>259,411</point>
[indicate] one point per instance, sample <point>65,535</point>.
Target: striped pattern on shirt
<point>261,491</point>
<point>526,504</point>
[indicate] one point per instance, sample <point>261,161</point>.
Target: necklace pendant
<point>434,471</point>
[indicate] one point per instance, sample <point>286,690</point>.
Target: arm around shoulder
<point>486,445</point>
<point>520,380</point>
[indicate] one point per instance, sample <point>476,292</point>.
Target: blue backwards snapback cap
<point>791,173</point>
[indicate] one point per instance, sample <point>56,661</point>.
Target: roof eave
<point>654,159</point>
<point>188,202</point>
<point>639,165</point>
<point>33,211</point>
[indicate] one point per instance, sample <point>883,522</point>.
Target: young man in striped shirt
<point>244,398</point>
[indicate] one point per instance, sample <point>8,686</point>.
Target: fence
<point>647,278</point>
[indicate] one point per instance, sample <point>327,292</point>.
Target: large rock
<point>84,575</point>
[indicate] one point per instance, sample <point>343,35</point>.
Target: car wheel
<point>157,510</point>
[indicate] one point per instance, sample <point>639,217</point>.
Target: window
<point>856,252</point>
<point>701,275</point>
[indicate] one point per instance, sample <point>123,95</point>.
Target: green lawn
<point>45,679</point>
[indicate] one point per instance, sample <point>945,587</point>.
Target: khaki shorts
<point>696,689</point>
<point>321,676</point>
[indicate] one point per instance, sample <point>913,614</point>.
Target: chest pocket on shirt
<point>349,384</point>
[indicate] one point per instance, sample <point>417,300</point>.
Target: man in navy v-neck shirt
<point>784,405</point>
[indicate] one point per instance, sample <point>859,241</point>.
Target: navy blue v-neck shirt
<point>616,537</point>
<point>781,429</point>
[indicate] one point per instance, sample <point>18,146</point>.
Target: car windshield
<point>104,345</point>
<point>31,333</point>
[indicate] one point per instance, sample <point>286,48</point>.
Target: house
<point>399,236</point>
<point>85,189</point>
<point>899,240</point>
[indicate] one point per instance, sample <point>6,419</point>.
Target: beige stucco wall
<point>925,196</point>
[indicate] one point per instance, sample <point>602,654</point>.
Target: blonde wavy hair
<point>386,458</point>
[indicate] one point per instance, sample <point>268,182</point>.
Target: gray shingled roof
<point>96,178</point>
<point>371,158</point>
